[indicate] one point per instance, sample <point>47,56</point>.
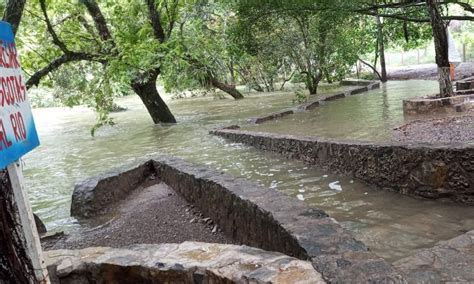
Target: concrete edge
<point>428,171</point>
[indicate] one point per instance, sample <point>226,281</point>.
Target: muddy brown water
<point>392,225</point>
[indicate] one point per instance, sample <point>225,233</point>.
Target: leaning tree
<point>125,40</point>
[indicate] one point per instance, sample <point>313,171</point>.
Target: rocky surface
<point>423,170</point>
<point>260,217</point>
<point>449,261</point>
<point>40,227</point>
<point>443,130</point>
<point>189,262</point>
<point>150,215</point>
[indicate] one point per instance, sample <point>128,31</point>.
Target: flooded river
<point>392,225</point>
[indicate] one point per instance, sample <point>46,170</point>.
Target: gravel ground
<point>428,72</point>
<point>155,214</point>
<point>443,130</point>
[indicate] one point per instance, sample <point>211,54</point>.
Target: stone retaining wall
<point>96,195</point>
<point>365,86</point>
<point>264,218</point>
<point>430,171</point>
<point>437,105</point>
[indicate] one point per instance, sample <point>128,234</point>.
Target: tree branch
<point>371,67</point>
<point>99,21</point>
<point>154,17</point>
<point>51,31</point>
<point>58,62</point>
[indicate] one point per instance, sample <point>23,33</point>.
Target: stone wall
<point>264,218</point>
<point>430,171</point>
<point>188,262</point>
<point>96,195</point>
<point>416,106</point>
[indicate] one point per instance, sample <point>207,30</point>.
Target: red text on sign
<point>4,142</point>
<point>18,125</point>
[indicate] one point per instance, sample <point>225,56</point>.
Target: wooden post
<point>30,233</point>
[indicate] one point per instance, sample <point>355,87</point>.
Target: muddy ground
<point>152,215</point>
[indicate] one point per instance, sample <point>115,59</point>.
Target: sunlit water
<point>368,116</point>
<point>392,225</point>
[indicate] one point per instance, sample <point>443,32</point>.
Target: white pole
<point>28,223</point>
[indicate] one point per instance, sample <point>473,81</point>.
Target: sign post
<point>17,137</point>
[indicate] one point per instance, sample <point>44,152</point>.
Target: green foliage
<point>321,43</point>
<point>300,97</point>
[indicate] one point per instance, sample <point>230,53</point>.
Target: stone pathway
<point>448,261</point>
<point>189,262</point>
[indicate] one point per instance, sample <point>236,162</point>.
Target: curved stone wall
<point>260,217</point>
<point>423,170</point>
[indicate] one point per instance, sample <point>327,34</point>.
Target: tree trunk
<point>15,265</point>
<point>13,13</point>
<point>383,75</point>
<point>312,83</point>
<point>313,89</point>
<point>441,49</point>
<point>229,89</point>
<point>145,87</point>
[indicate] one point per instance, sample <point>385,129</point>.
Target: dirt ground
<point>442,130</point>
<point>155,214</point>
<point>427,72</point>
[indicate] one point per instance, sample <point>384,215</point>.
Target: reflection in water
<point>391,224</point>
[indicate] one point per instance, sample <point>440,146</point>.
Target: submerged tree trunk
<point>381,47</point>
<point>145,87</point>
<point>229,89</point>
<point>312,83</point>
<point>441,49</point>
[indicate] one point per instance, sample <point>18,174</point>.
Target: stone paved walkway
<point>448,261</point>
<point>189,262</point>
